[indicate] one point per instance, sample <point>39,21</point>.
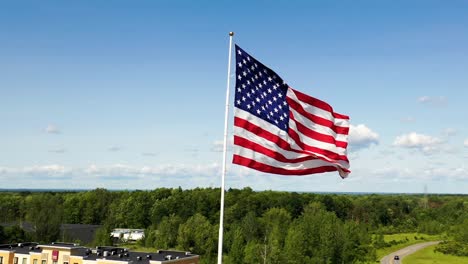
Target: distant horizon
<point>117,190</point>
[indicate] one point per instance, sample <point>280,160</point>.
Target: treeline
<point>260,227</point>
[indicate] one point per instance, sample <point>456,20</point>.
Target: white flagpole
<point>223,172</point>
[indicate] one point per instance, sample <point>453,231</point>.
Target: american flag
<point>282,131</point>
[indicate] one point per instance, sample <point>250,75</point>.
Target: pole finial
<point>231,33</point>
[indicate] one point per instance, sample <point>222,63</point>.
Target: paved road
<point>405,251</point>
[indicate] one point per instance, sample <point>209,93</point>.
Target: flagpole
<point>223,172</point>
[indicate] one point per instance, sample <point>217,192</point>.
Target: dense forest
<point>260,227</point>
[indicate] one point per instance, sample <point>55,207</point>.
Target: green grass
<point>428,256</point>
<point>403,237</point>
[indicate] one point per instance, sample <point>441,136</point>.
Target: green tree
<point>357,244</point>
<point>45,213</point>
<point>197,235</point>
<point>167,232</point>
<point>131,210</point>
<point>150,237</point>
<point>236,252</point>
<point>253,253</point>
<point>295,249</point>
<point>3,237</point>
<point>15,234</point>
<point>10,206</point>
<point>276,223</point>
<point>95,206</point>
<point>251,227</point>
<point>103,236</point>
<point>71,209</point>
<point>461,232</point>
<point>321,237</point>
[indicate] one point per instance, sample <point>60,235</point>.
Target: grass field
<point>407,239</point>
<point>428,256</point>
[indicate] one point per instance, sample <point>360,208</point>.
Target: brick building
<point>66,253</point>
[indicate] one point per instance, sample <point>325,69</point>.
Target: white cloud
<point>408,119</point>
<point>426,174</point>
<point>465,143</point>
<point>58,150</point>
<point>149,154</point>
<point>52,171</point>
<point>114,148</point>
<point>114,176</point>
<point>4,170</point>
<point>52,129</point>
<point>192,149</point>
<point>122,176</point>
<point>424,99</point>
<point>441,173</point>
<point>433,100</point>
<point>393,173</point>
<point>218,145</point>
<point>448,132</point>
<point>361,136</point>
<point>450,149</point>
<point>112,170</point>
<point>413,140</point>
<point>116,170</point>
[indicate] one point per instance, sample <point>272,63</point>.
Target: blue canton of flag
<point>260,91</point>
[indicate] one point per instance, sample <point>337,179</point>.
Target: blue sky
<point>130,94</point>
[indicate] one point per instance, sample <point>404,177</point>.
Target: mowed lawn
<point>428,256</point>
<point>407,239</point>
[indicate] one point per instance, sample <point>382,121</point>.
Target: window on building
<point>15,260</point>
<point>65,262</point>
<point>44,261</point>
<point>25,261</point>
<point>35,261</point>
<point>54,262</point>
<point>1,260</point>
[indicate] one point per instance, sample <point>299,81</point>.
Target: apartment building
<point>67,253</point>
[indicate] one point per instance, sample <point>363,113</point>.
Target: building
<point>127,234</point>
<point>67,253</point>
<point>78,232</point>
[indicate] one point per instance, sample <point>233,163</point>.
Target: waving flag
<point>282,131</point>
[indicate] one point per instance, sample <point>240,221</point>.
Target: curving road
<point>405,251</point>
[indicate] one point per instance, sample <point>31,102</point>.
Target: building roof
<point>21,248</point>
<point>61,245</point>
<point>122,254</point>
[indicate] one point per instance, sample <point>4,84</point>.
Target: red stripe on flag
<point>318,103</point>
<point>310,149</point>
<point>239,122</point>
<point>317,119</point>
<point>270,169</point>
<point>318,136</point>
<point>245,143</point>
